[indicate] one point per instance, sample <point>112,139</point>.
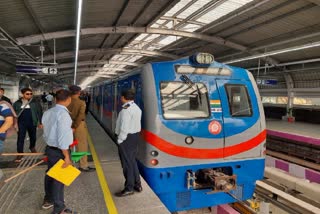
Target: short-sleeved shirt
<point>57,131</point>
<point>5,111</point>
<point>128,121</point>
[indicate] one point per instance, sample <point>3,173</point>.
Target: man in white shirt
<point>128,129</point>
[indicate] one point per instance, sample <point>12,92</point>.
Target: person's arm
<point>81,115</point>
<point>39,114</point>
<point>67,159</point>
<point>7,124</point>
<point>65,136</point>
<point>8,115</point>
<point>15,107</point>
<point>123,126</point>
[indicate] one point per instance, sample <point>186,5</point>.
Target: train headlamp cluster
<point>154,162</point>
<point>202,58</point>
<point>154,153</point>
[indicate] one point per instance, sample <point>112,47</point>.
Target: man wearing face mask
<point>29,117</point>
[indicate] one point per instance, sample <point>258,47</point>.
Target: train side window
<point>182,101</point>
<point>239,101</point>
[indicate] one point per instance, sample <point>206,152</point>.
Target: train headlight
<point>202,58</point>
<point>189,140</point>
<point>154,153</point>
<point>154,162</point>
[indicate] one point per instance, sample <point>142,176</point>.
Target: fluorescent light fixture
<point>184,9</point>
<point>77,40</point>
<point>271,53</point>
<point>286,64</point>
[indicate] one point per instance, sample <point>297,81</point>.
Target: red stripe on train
<point>186,152</point>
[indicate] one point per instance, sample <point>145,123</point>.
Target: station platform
<point>91,192</point>
<point>295,131</point>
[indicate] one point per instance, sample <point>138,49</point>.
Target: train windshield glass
<point>184,101</point>
<point>217,71</point>
<point>239,101</point>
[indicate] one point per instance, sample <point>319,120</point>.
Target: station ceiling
<point>271,38</point>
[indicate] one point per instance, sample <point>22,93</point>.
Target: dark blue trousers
<point>128,150</point>
<point>54,190</point>
<point>25,127</point>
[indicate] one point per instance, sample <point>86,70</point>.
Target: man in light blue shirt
<point>58,135</point>
<point>128,129</point>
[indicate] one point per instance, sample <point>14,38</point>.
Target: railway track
<point>297,152</point>
<point>287,201</point>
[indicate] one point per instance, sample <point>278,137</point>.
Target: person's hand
<point>67,162</point>
<point>40,126</point>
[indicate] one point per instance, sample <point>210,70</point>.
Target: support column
<point>290,85</point>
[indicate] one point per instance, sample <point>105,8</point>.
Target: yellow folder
<point>64,175</point>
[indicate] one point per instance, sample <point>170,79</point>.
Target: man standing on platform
<point>58,135</point>
<point>29,114</point>
<point>4,98</point>
<point>77,109</point>
<point>128,129</point>
<point>88,101</point>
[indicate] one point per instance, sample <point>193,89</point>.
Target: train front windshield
<point>182,101</point>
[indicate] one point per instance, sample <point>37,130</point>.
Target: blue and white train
<point>203,129</point>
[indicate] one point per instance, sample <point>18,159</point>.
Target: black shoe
<point>33,150</point>
<point>88,169</point>
<point>138,188</point>
<point>67,210</point>
<point>124,193</point>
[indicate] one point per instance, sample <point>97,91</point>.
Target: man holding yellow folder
<point>58,135</point>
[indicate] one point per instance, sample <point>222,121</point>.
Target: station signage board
<point>267,82</point>
<point>36,70</point>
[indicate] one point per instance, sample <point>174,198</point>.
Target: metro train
<point>203,129</point>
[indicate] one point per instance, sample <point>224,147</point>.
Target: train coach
<point>203,129</point>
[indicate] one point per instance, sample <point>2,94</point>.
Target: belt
<point>54,148</point>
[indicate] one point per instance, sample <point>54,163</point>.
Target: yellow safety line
<point>103,183</point>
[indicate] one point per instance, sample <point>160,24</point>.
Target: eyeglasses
<point>28,93</point>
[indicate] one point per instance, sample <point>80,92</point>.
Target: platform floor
<point>298,128</point>
<point>91,193</point>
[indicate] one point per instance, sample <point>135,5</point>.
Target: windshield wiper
<point>199,95</point>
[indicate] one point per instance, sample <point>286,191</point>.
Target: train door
<point>240,118</point>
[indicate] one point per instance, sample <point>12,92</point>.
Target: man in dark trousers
<point>4,98</point>
<point>88,101</point>
<point>58,135</point>
<point>29,113</point>
<point>128,129</point>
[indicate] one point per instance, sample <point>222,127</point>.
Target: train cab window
<point>182,101</point>
<point>239,101</point>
